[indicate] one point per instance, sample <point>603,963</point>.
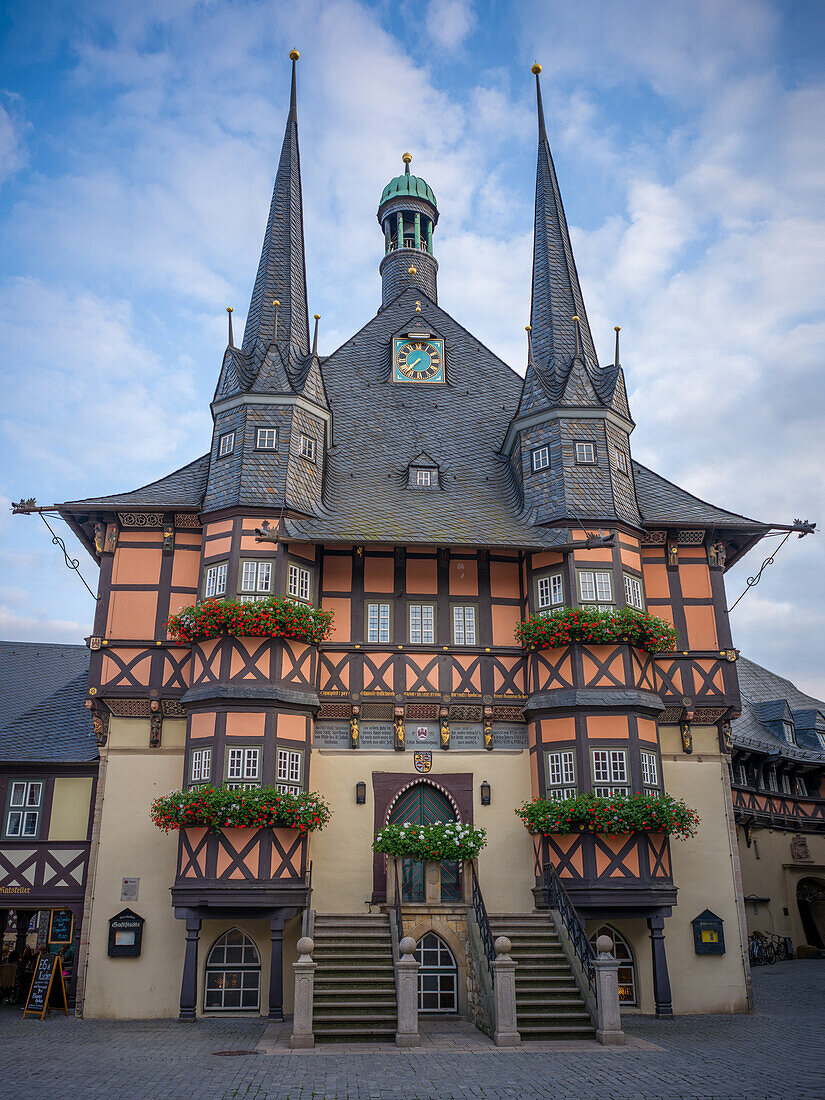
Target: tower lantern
<point>408,215</point>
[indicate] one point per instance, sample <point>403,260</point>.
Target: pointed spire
<point>557,297</point>
<point>617,329</point>
<point>317,317</point>
<point>230,311</point>
<point>281,273</point>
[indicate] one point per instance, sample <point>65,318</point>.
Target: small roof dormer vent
<point>423,472</point>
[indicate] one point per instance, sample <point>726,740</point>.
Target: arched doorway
<point>810,897</point>
<point>627,965</point>
<point>424,804</point>
<point>437,975</point>
<point>233,974</point>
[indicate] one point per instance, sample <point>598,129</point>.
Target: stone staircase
<point>549,1002</point>
<point>355,979</point>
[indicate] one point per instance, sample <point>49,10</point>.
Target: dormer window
<point>307,448</point>
<point>541,459</point>
<point>226,444</point>
<point>423,473</point>
<point>423,478</point>
<point>787,732</point>
<point>266,439</point>
<point>620,461</point>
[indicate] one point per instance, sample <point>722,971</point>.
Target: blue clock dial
<point>419,361</point>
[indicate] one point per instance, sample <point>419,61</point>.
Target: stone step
<point>349,968</point>
<point>349,1000</point>
<point>359,1016</point>
<point>330,981</point>
<point>537,1034</point>
<point>565,1015</point>
<point>354,1035</point>
<point>379,954</point>
<point>537,998</point>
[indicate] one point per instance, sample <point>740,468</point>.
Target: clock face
<point>418,360</point>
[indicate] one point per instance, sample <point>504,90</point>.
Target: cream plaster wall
<point>342,854</point>
<point>769,871</point>
<point>130,846</point>
<point>71,803</point>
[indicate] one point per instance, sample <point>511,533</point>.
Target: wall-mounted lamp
<point>360,793</point>
<point>485,793</point>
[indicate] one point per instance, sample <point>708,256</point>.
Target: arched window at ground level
<point>233,974</point>
<point>627,968</point>
<point>437,975</point>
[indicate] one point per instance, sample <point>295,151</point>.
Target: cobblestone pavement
<point>776,1052</point>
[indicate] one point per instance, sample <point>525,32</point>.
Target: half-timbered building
<point>431,496</point>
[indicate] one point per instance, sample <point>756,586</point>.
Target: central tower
<point>408,215</point>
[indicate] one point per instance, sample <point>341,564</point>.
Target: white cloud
<point>450,22</point>
<point>12,149</point>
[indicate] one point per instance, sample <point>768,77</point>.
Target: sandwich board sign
<point>47,986</point>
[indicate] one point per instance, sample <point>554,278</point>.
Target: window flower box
<point>218,808</point>
<point>271,617</point>
<point>554,629</point>
<point>610,817</point>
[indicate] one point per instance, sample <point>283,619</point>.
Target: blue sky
<point>137,148</point>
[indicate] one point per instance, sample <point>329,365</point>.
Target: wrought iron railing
<point>399,920</point>
<point>305,922</point>
<point>480,911</point>
<point>559,900</point>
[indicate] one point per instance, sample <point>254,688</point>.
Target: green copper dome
<point>408,185</point>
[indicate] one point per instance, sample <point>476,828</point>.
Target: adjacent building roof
<point>182,489</point>
<point>43,717</point>
<point>768,701</point>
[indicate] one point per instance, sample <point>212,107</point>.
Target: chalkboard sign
<point>61,926</point>
<point>125,934</point>
<point>47,989</point>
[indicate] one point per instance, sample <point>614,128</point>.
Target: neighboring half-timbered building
<point>431,497</point>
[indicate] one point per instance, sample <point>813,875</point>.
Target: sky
<point>138,143</point>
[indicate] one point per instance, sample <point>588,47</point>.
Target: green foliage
<point>443,840</point>
<point>635,813</point>
<point>274,617</point>
<point>253,808</point>
<point>580,624</point>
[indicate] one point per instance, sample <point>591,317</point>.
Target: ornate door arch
<point>423,803</point>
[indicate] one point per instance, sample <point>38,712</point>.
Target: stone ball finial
<point>604,945</point>
<point>503,946</point>
<point>305,946</point>
<point>407,945</point>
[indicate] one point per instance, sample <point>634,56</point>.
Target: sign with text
<point>61,926</point>
<point>47,990</point>
<point>378,736</point>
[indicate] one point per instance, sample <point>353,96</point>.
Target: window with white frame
<point>785,783</point>
<point>541,459</point>
<point>620,461</point>
<point>464,626</point>
<point>266,439</point>
<point>289,770</point>
<point>378,622</point>
<point>422,623</point>
<point>243,768</point>
<point>773,785</point>
<point>256,580</point>
<point>740,775</point>
<point>596,587</point>
<point>586,453</point>
<point>801,789</point>
<point>201,769</point>
<point>633,595</point>
<point>820,736</point>
<point>424,478</point>
<point>299,581</point>
<point>25,803</point>
<point>215,581</point>
<point>549,591</point>
<point>650,772</point>
<point>561,775</point>
<point>788,732</point>
<point>307,447</point>
<point>226,444</point>
<point>609,772</point>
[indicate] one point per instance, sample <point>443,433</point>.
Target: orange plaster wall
<point>291,727</point>
<point>188,538</point>
<point>632,559</point>
<point>541,561</point>
<point>202,725</point>
<point>342,624</point>
<point>219,528</point>
<point>185,569</point>
<point>606,726</point>
<point>695,581</point>
<point>504,579</point>
<point>656,582</point>
<point>464,577</point>
<point>250,544</point>
<point>217,547</point>
<point>244,724</point>
<point>337,573</point>
<point>302,550</point>
<point>379,574</point>
<point>150,537</point>
<point>558,729</point>
<point>590,556</point>
<point>422,576</point>
<point>137,566</point>
<point>701,628</point>
<point>131,614</point>
<point>648,731</point>
<point>177,600</point>
<point>505,619</point>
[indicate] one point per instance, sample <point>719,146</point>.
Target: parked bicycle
<point>766,948</point>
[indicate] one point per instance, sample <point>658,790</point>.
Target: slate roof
<point>663,502</point>
<point>765,697</point>
<point>43,717</point>
<point>182,489</point>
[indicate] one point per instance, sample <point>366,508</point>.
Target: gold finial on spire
<point>406,157</point>
<point>536,69</point>
<point>294,55</point>
<point>412,270</point>
<point>317,317</point>
<point>230,311</point>
<point>275,303</point>
<point>529,329</point>
<point>578,336</point>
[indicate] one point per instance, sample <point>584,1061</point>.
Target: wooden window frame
<point>651,783</point>
<point>302,568</point>
<point>388,603</point>
<point>24,809</point>
<point>629,580</point>
<point>263,447</point>
<point>203,757</point>
<point>243,781</point>
<point>285,782</point>
<point>550,576</point>
<point>307,447</point>
<point>536,457</point>
<point>464,608</point>
<point>613,783</point>
<point>566,786</point>
<point>597,602</point>
<point>215,569</point>
<point>594,461</point>
<point>223,450</point>
<point>422,604</point>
